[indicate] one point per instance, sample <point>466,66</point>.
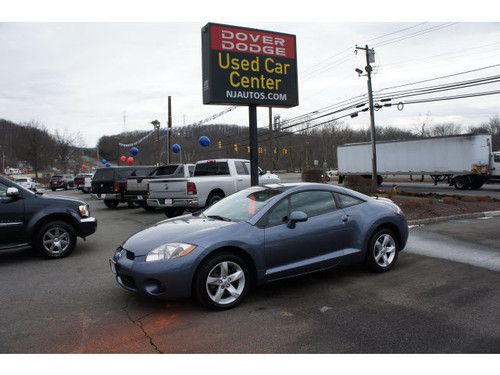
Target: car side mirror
<point>12,192</point>
<point>295,217</point>
<point>261,172</point>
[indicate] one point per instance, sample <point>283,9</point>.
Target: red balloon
<point>130,160</point>
<point>123,158</point>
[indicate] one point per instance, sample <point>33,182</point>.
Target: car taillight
<point>117,187</point>
<point>191,188</point>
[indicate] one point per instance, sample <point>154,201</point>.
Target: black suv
<point>50,224</point>
<point>110,183</point>
<point>62,181</point>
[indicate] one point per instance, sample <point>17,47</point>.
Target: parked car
<point>212,180</point>
<point>62,181</point>
<point>137,184</point>
<point>258,235</point>
<point>109,184</point>
<point>26,182</point>
<point>83,182</point>
<point>50,224</point>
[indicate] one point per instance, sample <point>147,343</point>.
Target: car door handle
<point>345,219</point>
<point>240,179</point>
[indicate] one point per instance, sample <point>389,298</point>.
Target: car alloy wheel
<point>56,240</point>
<point>384,250</point>
<point>225,283</point>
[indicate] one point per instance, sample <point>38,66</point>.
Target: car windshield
<point>243,205</point>
<point>21,180</point>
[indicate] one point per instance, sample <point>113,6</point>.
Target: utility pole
<point>370,58</point>
<point>124,121</point>
<point>271,139</point>
<point>254,153</point>
<point>169,130</point>
<point>156,125</point>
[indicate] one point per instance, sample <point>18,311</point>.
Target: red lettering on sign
<point>225,38</point>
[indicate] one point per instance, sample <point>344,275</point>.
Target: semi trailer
<point>464,161</point>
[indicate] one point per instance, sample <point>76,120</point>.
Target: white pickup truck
<point>212,180</point>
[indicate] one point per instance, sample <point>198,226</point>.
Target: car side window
<point>313,203</point>
<point>3,191</point>
<point>191,170</point>
<point>278,214</point>
<point>240,168</point>
<point>496,158</point>
<point>180,171</point>
<point>348,200</point>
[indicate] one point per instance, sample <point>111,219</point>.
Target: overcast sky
<point>82,76</point>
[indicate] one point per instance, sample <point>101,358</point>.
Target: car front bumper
<point>87,226</point>
<point>170,279</point>
<point>175,202</point>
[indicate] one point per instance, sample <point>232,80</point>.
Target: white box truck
<point>465,161</point>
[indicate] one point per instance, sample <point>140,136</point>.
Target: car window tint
<point>348,200</point>
<point>313,202</point>
<point>278,214</point>
<point>166,170</point>
<point>211,168</point>
<point>180,171</point>
<point>3,190</point>
<point>103,174</point>
<point>240,168</point>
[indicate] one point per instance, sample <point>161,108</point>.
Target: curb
<point>440,219</point>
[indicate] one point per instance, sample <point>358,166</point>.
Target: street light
<point>156,125</point>
<point>359,71</point>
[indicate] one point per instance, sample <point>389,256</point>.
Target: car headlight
<point>169,251</point>
<point>84,210</point>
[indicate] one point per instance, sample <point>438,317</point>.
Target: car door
<point>12,218</point>
<point>242,175</point>
<point>314,244</point>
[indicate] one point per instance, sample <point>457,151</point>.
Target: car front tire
<point>383,250</point>
<point>222,282</point>
<point>55,239</point>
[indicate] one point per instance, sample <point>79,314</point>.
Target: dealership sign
<point>249,67</point>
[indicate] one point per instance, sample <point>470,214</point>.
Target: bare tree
<point>36,146</point>
<point>445,129</point>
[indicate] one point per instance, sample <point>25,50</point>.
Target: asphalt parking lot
<point>442,296</point>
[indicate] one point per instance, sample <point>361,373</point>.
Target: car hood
<point>61,198</point>
<point>186,229</point>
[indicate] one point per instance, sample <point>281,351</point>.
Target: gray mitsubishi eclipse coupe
<point>258,235</point>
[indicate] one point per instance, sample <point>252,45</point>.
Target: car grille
<point>127,281</point>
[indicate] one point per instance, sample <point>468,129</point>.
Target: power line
<point>418,33</point>
<point>440,77</point>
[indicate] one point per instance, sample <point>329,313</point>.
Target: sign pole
<point>254,154</point>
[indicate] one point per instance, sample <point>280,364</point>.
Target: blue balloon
<point>204,141</point>
<point>134,151</point>
<point>176,148</point>
<point>108,165</point>
<point>103,161</point>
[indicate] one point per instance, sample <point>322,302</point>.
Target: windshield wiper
<point>218,217</point>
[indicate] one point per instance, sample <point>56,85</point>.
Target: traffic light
<point>235,147</point>
<point>275,150</point>
<point>285,151</point>
<point>260,150</point>
<point>219,144</point>
<point>248,149</point>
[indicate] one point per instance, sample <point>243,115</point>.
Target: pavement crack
<point>139,324</point>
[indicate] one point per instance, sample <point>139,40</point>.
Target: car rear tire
<point>383,250</point>
<point>55,239</point>
<point>111,203</point>
<point>171,212</point>
<point>461,183</point>
<point>53,189</point>
<point>221,282</point>
<point>213,199</point>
